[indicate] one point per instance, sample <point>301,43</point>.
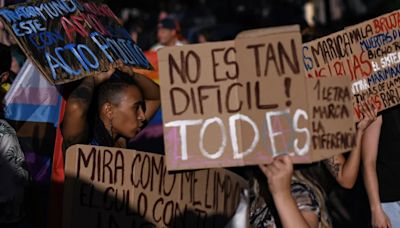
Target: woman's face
<point>128,116</point>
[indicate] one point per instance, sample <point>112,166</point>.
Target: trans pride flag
<point>31,98</point>
<point>33,108</point>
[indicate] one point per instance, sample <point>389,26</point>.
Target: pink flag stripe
<point>35,96</point>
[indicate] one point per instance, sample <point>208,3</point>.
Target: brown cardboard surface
<point>335,56</point>
<point>111,187</point>
<point>242,102</point>
<point>379,40</point>
<point>270,64</point>
<point>207,87</point>
<point>331,112</point>
<point>221,110</point>
<point>267,31</point>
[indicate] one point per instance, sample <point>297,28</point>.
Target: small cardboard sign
<point>111,187</point>
<point>239,102</point>
<point>68,40</point>
<point>368,53</point>
<point>331,113</point>
<point>379,40</point>
<point>335,56</point>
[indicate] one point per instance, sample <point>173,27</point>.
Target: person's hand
<point>380,219</point>
<point>124,68</point>
<point>105,75</point>
<point>279,175</point>
<point>369,113</point>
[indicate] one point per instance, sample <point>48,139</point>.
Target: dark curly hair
<point>109,91</point>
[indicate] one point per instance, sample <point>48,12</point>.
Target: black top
<point>388,158</point>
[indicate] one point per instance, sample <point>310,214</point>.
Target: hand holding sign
<point>124,68</point>
<point>279,175</point>
<point>104,76</point>
<point>369,113</point>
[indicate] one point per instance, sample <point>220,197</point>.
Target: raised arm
<point>150,89</point>
<point>346,171</point>
<point>279,175</point>
<point>75,129</point>
<point>369,155</point>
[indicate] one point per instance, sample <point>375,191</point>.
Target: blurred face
<point>134,36</point>
<point>15,66</point>
<point>4,77</point>
<point>166,36</point>
<point>128,116</point>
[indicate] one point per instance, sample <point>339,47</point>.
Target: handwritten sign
<point>237,102</point>
<point>335,56</point>
<point>111,187</point>
<point>68,40</point>
<point>272,60</point>
<point>331,112</point>
<point>379,41</point>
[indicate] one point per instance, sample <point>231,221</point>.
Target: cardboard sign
<point>111,187</point>
<point>269,64</point>
<point>237,102</point>
<point>331,112</point>
<point>68,40</point>
<point>335,56</point>
<point>379,40</point>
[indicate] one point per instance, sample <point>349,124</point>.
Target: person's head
<point>167,32</point>
<point>134,28</point>
<point>5,63</point>
<point>121,107</point>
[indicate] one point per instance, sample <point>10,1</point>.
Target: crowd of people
<point>123,101</point>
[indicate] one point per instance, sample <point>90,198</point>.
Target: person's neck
<point>171,43</point>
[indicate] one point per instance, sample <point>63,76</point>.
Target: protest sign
<point>199,97</point>
<point>335,56</point>
<point>237,102</point>
<point>111,187</point>
<point>331,114</point>
<point>68,40</point>
<point>268,60</point>
<point>379,40</point>
<point>328,104</point>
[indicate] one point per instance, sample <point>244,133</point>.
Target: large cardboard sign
<point>379,40</point>
<point>110,187</point>
<point>68,40</point>
<point>268,61</point>
<point>238,102</point>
